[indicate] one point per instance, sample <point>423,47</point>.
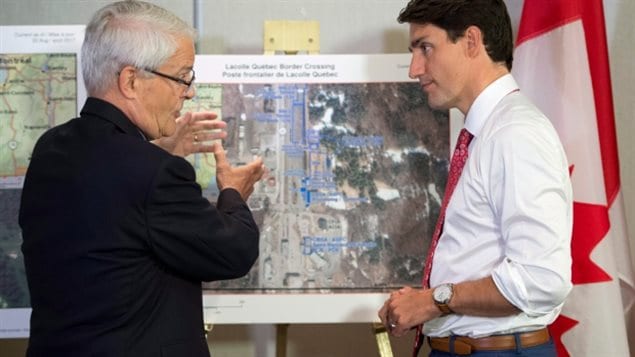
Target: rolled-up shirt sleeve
<point>531,193</point>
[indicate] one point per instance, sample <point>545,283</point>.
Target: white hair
<point>128,33</point>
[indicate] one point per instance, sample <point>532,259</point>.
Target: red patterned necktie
<point>459,157</point>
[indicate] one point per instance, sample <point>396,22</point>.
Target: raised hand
<point>241,178</point>
<point>194,134</point>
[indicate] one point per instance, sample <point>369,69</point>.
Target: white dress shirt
<point>510,216</point>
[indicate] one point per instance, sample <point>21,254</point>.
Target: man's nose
<point>417,66</point>
<point>190,92</point>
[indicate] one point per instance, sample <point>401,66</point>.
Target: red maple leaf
<point>557,329</point>
<point>590,225</point>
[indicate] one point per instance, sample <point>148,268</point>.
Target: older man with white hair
<point>117,236</point>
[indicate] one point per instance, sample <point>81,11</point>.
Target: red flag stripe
<point>537,20</point>
<point>597,50</point>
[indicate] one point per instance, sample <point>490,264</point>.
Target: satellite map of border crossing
<point>356,176</point>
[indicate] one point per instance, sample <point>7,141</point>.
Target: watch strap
<point>445,309</point>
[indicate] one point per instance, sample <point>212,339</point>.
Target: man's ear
<point>126,82</point>
<point>474,38</point>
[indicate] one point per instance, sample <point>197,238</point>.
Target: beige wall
<point>347,26</point>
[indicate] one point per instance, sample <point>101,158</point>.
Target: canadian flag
<point>561,63</point>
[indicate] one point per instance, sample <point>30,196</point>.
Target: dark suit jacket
<point>117,239</point>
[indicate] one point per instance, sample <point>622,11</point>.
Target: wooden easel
<point>383,341</point>
<point>290,38</point>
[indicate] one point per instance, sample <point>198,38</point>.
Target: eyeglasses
<point>182,81</point>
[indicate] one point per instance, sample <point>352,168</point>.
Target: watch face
<point>443,293</point>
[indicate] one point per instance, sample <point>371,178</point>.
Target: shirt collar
<point>486,101</point>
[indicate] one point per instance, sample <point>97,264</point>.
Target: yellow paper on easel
<point>291,37</point>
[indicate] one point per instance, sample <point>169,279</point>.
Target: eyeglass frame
<point>189,84</point>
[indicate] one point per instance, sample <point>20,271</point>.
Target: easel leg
<point>207,327</point>
<point>383,341</point>
<point>281,340</point>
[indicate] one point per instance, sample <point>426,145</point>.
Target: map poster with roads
<point>357,167</point>
<point>40,87</point>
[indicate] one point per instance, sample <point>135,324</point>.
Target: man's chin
<point>437,104</point>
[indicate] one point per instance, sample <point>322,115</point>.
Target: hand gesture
<point>406,308</point>
<point>241,178</point>
<point>193,134</point>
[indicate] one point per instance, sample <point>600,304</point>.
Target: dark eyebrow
<point>414,44</point>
